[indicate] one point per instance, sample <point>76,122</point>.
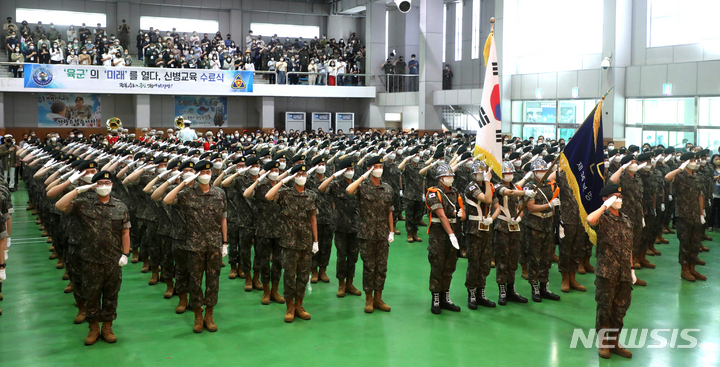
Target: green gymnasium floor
<point>36,327</point>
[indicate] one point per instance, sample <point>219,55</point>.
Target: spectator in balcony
<point>39,31</point>
<point>148,53</point>
<point>256,54</point>
<point>84,57</point>
<point>106,58</point>
<point>72,58</point>
<point>288,44</point>
<point>17,57</point>
<point>140,43</point>
<point>10,24</point>
<point>388,69</point>
<point>169,59</point>
<point>183,63</point>
<point>271,67</point>
<point>332,72</point>
<point>71,34</point>
<point>127,58</point>
<point>43,41</point>
<point>24,28</point>
<point>61,43</point>
<point>312,68</point>
<point>399,69</point>
<point>354,70</point>
<point>56,54</point>
<point>248,39</point>
<point>118,60</point>
<point>281,66</point>
<point>194,38</point>
<point>227,61</point>
<point>204,62</point>
<point>215,63</point>
<point>322,71</point>
<point>248,66</point>
<point>118,47</point>
<point>44,56</point>
<point>323,41</point>
<point>413,69</point>
<point>360,62</point>
<point>53,33</point>
<point>84,33</point>
<point>304,56</point>
<point>229,41</point>
<point>99,32</point>
<point>248,59</point>
<point>11,42</point>
<point>341,68</point>
<point>447,78</point>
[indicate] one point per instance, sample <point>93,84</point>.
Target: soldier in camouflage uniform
<point>412,193</point>
<point>325,229</point>
<point>670,163</point>
<point>478,231</point>
<point>446,210</point>
<point>205,210</point>
<point>573,238</point>
<point>631,183</point>
<point>688,214</point>
<point>104,231</point>
<point>614,274</point>
<point>234,218</point>
<point>376,232</point>
<point>538,216</point>
<point>347,222</point>
<point>659,171</point>
<point>299,238</point>
<point>393,177</point>
<point>652,194</point>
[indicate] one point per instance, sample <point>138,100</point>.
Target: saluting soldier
<point>325,224</point>
<point>412,193</point>
<point>573,237</point>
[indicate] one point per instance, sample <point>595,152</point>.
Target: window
<point>709,111</point>
<point>476,30</point>
<point>444,41</point>
<point>287,30</point>
<point>387,32</point>
<point>540,111</point>
<point>59,17</point>
<point>182,24</point>
<point>669,111</point>
<point>548,131</point>
<point>673,22</point>
<point>458,30</point>
<point>709,139</point>
<point>575,111</point>
<point>634,112</point>
<point>669,121</point>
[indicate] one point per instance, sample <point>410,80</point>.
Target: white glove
<point>401,193</point>
<point>704,214</point>
<point>174,177</point>
<point>311,170</point>
<point>224,250</point>
<point>669,197</point>
<point>514,221</point>
<point>227,170</point>
<point>191,179</point>
<point>634,278</point>
<point>368,173</point>
<point>669,157</point>
<point>643,222</point>
<point>561,231</point>
<point>555,203</point>
<point>682,166</point>
<point>49,163</point>
<point>642,165</point>
<point>263,176</point>
<point>487,220</point>
<point>530,193</point>
<point>288,178</point>
<point>316,247</point>
<point>339,173</point>
<point>75,176</point>
<point>6,254</point>
<point>391,237</point>
<point>454,241</point>
<point>662,207</point>
<point>160,176</point>
<point>459,213</point>
<point>9,242</point>
<point>626,165</point>
<point>702,219</point>
<point>123,260</point>
<point>82,189</point>
<point>609,202</point>
<point>3,276</point>
<point>528,176</point>
<point>149,167</point>
<point>488,175</point>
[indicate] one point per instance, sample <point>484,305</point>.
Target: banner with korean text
<point>136,80</point>
<point>202,111</point>
<point>68,110</point>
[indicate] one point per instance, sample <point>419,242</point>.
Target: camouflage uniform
<point>100,235</point>
<point>392,176</point>
<point>507,243</point>
<point>651,192</point>
<point>244,225</point>
<point>576,242</point>
<point>325,225</point>
<point>375,208</point>
<point>297,209</point>
<point>152,214</point>
<point>441,254</point>
<point>671,165</point>
<point>632,207</point>
<point>268,235</point>
<point>347,222</point>
<point>413,196</point>
<point>613,277</point>
<point>687,216</point>
<point>540,230</point>
<point>171,227</point>
<point>201,251</point>
<point>479,243</point>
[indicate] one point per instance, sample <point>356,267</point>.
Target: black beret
<point>527,149</point>
<point>160,159</point>
<point>463,149</point>
<point>139,155</point>
<point>552,150</point>
<point>202,165</point>
<point>609,190</point>
<point>215,156</point>
<point>102,175</point>
<point>205,155</point>
<point>173,164</point>
<point>537,151</point>
<point>633,149</point>
<point>345,163</point>
<point>688,155</point>
<point>187,164</point>
<point>252,160</point>
<point>317,160</point>
<point>670,150</point>
<point>298,157</point>
<point>627,159</point>
<point>644,157</point>
<point>465,156</point>
<point>193,152</point>
<point>238,160</point>
<point>374,160</point>
<point>415,150</point>
<point>622,150</point>
<point>280,155</point>
<point>514,155</point>
<point>87,165</point>
<point>505,149</point>
<point>182,150</point>
<point>703,153</point>
<point>263,152</point>
<point>298,168</point>
<point>270,165</point>
<point>76,163</point>
<point>549,158</point>
<point>657,152</point>
<point>613,152</point>
<point>439,152</point>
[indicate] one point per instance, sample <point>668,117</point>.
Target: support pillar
<point>430,63</point>
<point>266,110</point>
<point>142,108</point>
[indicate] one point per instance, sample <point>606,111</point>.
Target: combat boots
<point>369,302</point>
<point>617,348</point>
<point>256,281</point>
<point>410,237</point>
<point>66,276</point>
<point>524,271</point>
<point>379,304</point>
<point>447,304</point>
<point>513,295</point>
<point>154,277</point>
<point>169,290</point>
<point>233,271</point>
<point>60,263</point>
<point>603,346</point>
<point>397,231</point>
<point>248,282</point>
<point>536,292</point>
<point>565,284</point>
<point>323,276</point>
<point>274,295</point>
<point>80,318</point>
<point>422,223</point>
<point>314,275</point>
<point>502,298</point>
<point>588,268</point>
<point>182,303</point>
<point>94,333</point>
<point>695,274</point>
<point>299,310</point>
<point>70,288</point>
<point>107,332</point>
<point>646,264</point>
<point>290,311</point>
<point>416,238</point>
<point>136,256</point>
<point>350,288</point>
<point>654,250</point>
<point>435,304</point>
<point>208,321</point>
<point>198,325</point>
<point>685,273</point>
<point>482,300</point>
<point>581,268</point>
<point>574,284</point>
<point>53,256</point>
<point>266,295</point>
<point>146,266</point>
<point>341,288</point>
<point>472,299</point>
<point>545,292</point>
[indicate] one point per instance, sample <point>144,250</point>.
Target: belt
<point>475,217</point>
<point>543,215</point>
<point>437,220</point>
<point>503,217</point>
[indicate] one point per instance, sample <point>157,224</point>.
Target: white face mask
<point>391,156</point>
<point>195,160</point>
<point>377,172</point>
<point>479,177</point>
<point>507,178</point>
<point>607,164</point>
<point>703,162</point>
<point>282,166</point>
<point>161,170</point>
<point>647,167</point>
<point>217,165</point>
<point>349,174</point>
<point>416,159</point>
<point>320,170</point>
<point>468,164</point>
<point>617,158</point>
<point>692,166</point>
<point>88,178</point>
<point>265,160</point>
<point>617,204</point>
<point>187,175</point>
<point>254,171</point>
<point>517,163</point>
<point>300,181</point>
<point>448,181</point>
<point>204,179</point>
<point>103,190</point>
<point>272,176</point>
<point>633,167</point>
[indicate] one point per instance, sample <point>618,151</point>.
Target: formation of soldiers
<point>180,210</point>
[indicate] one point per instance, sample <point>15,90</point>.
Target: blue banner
<point>202,111</point>
<point>68,110</point>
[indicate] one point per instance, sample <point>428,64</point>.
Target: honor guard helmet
<point>444,169</point>
<point>479,167</point>
<point>508,167</point>
<point>538,164</point>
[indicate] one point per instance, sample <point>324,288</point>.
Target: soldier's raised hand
<point>609,202</point>
<point>82,189</point>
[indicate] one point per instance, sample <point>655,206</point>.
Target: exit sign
<point>667,89</point>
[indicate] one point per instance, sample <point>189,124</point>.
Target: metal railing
<point>396,83</point>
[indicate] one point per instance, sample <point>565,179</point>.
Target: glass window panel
<point>575,111</point>
<point>517,114</point>
<point>710,139</point>
<point>709,111</point>
<point>634,112</point>
<point>633,135</point>
<point>670,111</point>
<point>458,30</point>
<point>517,130</point>
<point>548,131</point>
<point>59,17</point>
<point>307,32</point>
<point>183,25</point>
<point>476,29</point>
<point>539,111</point>
<point>566,133</point>
<point>673,22</point>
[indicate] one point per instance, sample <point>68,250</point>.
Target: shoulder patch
<point>432,195</point>
<point>473,187</point>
